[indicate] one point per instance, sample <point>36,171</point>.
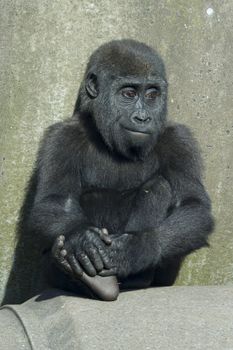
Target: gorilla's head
<point>124,92</point>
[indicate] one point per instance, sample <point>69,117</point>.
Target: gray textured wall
<point>44,47</point>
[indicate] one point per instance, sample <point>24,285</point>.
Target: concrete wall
<point>44,47</point>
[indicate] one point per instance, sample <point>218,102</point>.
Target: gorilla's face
<point>139,107</point>
<point>130,113</point>
<point>125,93</point>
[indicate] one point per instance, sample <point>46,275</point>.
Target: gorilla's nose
<point>140,118</point>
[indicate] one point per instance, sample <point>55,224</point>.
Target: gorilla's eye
<point>129,93</point>
<point>151,94</point>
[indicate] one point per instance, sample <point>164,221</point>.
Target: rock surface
<point>173,318</point>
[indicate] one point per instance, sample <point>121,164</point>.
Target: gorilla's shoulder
<point>178,148</point>
<point>66,133</point>
<point>61,140</point>
<point>64,128</point>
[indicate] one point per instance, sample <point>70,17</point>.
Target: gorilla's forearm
<point>184,231</point>
<point>133,252</point>
<point>51,217</point>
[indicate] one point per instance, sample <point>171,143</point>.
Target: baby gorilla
<point>118,164</point>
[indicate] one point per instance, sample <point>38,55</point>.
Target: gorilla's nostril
<point>138,119</point>
<point>141,119</point>
<point>147,120</point>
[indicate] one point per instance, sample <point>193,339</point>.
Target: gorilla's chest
<point>108,208</point>
<point>133,209</point>
<point>117,176</point>
<point>124,195</point>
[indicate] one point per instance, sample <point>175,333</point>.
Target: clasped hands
<point>91,258</point>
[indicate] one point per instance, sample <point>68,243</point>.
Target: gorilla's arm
<point>188,222</point>
<point>55,208</point>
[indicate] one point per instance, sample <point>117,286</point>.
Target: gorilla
<point>116,199</point>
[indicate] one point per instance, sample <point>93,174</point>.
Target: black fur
<point>116,164</point>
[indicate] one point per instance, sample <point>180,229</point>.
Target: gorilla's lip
<point>137,132</point>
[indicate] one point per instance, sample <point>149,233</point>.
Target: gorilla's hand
<point>105,288</point>
<point>133,252</point>
<point>118,254</point>
<point>83,252</point>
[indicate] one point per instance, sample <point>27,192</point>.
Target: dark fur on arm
<point>55,209</point>
<point>189,222</point>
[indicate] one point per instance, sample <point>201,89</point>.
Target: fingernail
<point>63,252</point>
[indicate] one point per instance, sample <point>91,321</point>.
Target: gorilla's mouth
<point>137,133</point>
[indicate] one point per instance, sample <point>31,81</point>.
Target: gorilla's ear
<point>92,85</point>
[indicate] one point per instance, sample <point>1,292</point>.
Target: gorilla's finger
<point>95,229</point>
<point>75,266</point>
<point>105,236</point>
<point>63,263</point>
<point>104,256</point>
<point>96,259</point>
<point>108,272</point>
<point>59,242</point>
<point>57,247</point>
<point>87,264</point>
<point>63,252</point>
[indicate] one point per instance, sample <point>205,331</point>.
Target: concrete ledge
<point>159,318</point>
